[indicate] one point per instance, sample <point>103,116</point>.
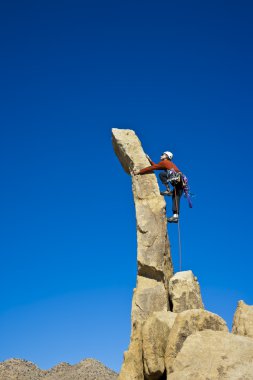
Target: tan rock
<point>132,368</point>
<point>187,323</point>
<point>149,296</point>
<point>214,355</point>
<point>13,369</point>
<point>155,334</point>
<point>153,255</point>
<point>88,369</point>
<point>184,292</point>
<point>243,320</point>
<point>153,250</point>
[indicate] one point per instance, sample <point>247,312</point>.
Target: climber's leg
<point>164,179</point>
<point>176,196</point>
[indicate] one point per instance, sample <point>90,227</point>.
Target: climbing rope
<point>179,234</point>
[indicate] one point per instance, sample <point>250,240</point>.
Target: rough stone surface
<point>155,334</point>
<point>149,296</point>
<point>153,250</point>
<point>187,323</point>
<point>214,355</point>
<point>88,369</point>
<point>132,368</point>
<point>184,292</point>
<point>243,320</point>
<point>19,369</point>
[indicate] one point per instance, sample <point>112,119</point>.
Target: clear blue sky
<point>180,75</point>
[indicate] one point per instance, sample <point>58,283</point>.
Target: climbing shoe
<point>172,219</point>
<point>166,192</point>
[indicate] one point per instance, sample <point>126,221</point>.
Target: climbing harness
<point>175,178</point>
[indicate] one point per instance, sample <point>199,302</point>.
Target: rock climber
<point>170,175</point>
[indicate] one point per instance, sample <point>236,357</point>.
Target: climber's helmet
<point>167,155</point>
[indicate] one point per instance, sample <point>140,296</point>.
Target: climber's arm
<point>149,169</point>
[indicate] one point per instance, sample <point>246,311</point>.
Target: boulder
<point>149,296</point>
<point>155,334</point>
<point>132,367</point>
<point>214,355</point>
<point>187,323</point>
<point>184,292</point>
<point>243,320</point>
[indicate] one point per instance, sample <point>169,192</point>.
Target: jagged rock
<point>88,369</point>
<point>214,355</point>
<point>155,334</point>
<point>187,323</point>
<point>153,251</point>
<point>197,346</point>
<point>13,369</point>
<point>184,292</point>
<point>132,368</point>
<point>243,320</point>
<point>149,296</point>
<point>60,371</point>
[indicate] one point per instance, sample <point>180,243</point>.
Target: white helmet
<point>168,154</point>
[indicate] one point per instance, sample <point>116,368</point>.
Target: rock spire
<point>172,336</point>
<point>153,249</point>
<point>154,265</point>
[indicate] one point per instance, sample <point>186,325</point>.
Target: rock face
<point>153,251</point>
<point>155,335</point>
<point>132,368</point>
<point>214,355</point>
<point>186,324</point>
<point>149,296</point>
<point>243,320</point>
<point>88,369</point>
<point>185,292</point>
<point>15,368</point>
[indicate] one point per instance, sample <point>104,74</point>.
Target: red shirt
<point>162,165</point>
